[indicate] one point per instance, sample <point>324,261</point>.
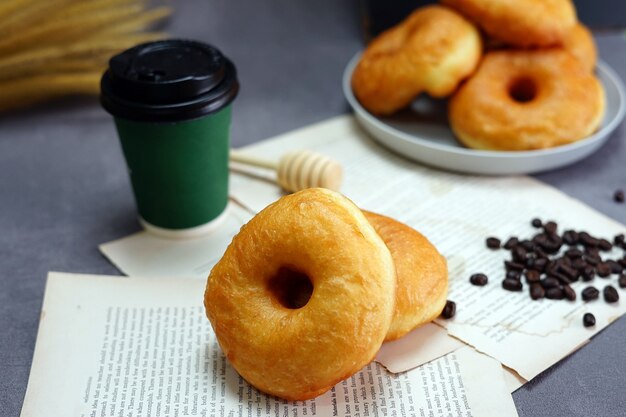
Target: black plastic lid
<point>168,81</point>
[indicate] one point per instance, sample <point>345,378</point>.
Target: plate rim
<point>605,130</point>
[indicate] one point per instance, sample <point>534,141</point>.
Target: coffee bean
<point>528,245</point>
<point>563,279</point>
<point>610,294</point>
<point>511,243</point>
<point>587,240</point>
<point>589,320</point>
<point>530,262</point>
<point>513,274</point>
<point>555,293</point>
<point>550,282</point>
<point>537,291</point>
<point>622,262</point>
<point>536,222</point>
<point>588,273</point>
<point>570,237</point>
<point>493,243</point>
<point>618,196</point>
<point>449,310</point>
<point>540,253</point>
<point>590,294</point>
<point>532,276</point>
<point>579,264</point>
<point>550,227</point>
<point>519,254</point>
<point>622,281</point>
<point>616,267</point>
<point>511,284</point>
<point>540,264</point>
<point>479,279</point>
<point>605,245</point>
<point>618,240</point>
<point>603,269</point>
<point>574,253</point>
<point>592,260</point>
<point>513,266</point>
<point>568,271</point>
<point>569,293</point>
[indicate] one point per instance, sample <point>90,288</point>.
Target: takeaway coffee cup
<point>171,102</point>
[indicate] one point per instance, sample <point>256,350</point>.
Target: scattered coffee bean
<point>513,274</point>
<point>493,243</point>
<point>449,310</point>
<point>513,266</point>
<point>587,240</point>
<point>589,320</point>
<point>511,243</point>
<point>616,267</point>
<point>532,276</point>
<point>550,282</point>
<point>540,264</point>
<point>550,227</point>
<point>569,293</point>
<point>579,264</point>
<point>536,223</point>
<point>574,253</point>
<point>622,281</point>
<point>528,245</point>
<point>588,273</point>
<point>479,279</point>
<point>511,284</point>
<point>603,269</point>
<point>610,294</point>
<point>618,196</point>
<point>605,245</point>
<point>519,254</point>
<point>570,237</point>
<point>555,293</point>
<point>622,262</point>
<point>537,291</point>
<point>590,294</point>
<point>618,240</point>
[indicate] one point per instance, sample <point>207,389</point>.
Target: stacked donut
<point>519,74</point>
<point>311,287</point>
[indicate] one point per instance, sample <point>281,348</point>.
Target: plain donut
<point>314,243</point>
<point>525,100</point>
<point>421,275</point>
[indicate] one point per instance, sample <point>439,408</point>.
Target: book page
<point>111,346</point>
<point>146,255</point>
<point>457,213</point>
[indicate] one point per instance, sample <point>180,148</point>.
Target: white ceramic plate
<point>422,133</point>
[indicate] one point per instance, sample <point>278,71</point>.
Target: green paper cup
<point>171,101</point>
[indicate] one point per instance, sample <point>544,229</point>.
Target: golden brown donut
<point>580,43</point>
<point>520,22</point>
<point>431,51</point>
<point>421,275</point>
<point>524,100</point>
<point>303,296</point>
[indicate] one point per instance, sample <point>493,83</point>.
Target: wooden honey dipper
<point>298,170</point>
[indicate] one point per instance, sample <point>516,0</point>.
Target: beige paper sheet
<point>111,346</point>
<point>457,213</point>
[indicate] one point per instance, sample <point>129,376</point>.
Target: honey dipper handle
<point>244,158</point>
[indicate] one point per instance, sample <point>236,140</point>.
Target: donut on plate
<point>525,100</point>
<point>303,296</point>
<point>421,275</point>
<point>431,51</point>
<point>580,43</point>
<point>520,22</point>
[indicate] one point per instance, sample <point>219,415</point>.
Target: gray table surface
<point>64,189</point>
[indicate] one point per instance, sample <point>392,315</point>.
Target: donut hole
<point>523,89</point>
<point>291,288</point>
